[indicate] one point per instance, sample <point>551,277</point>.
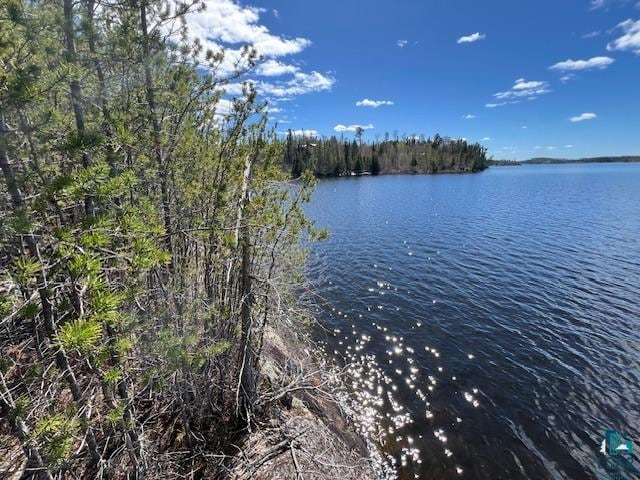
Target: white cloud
<point>372,103</point>
<point>224,106</point>
<point>227,25</point>
<point>351,128</point>
<point>598,4</point>
<point>522,89</point>
<point>522,84</point>
<point>551,148</point>
<point>274,68</point>
<point>233,89</point>
<point>567,77</point>
<point>474,37</point>
<point>576,65</point>
<point>501,104</point>
<point>593,34</point>
<point>631,38</point>
<point>524,127</point>
<point>230,23</point>
<point>568,146</point>
<point>486,139</point>
<point>468,117</point>
<point>301,83</point>
<point>582,117</point>
<point>402,43</point>
<point>279,91</point>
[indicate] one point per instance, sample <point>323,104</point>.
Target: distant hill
<point>503,163</point>
<point>583,160</point>
<point>546,160</point>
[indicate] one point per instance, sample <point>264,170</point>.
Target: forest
<point>339,156</point>
<point>148,242</point>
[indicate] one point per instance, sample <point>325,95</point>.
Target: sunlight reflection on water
<point>484,319</point>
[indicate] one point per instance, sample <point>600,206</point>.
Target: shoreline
<point>304,426</point>
<point>309,427</point>
<point>396,173</point>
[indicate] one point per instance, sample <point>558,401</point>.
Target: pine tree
<point>143,237</point>
<point>375,165</point>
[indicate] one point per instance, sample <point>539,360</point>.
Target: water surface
<point>494,317</point>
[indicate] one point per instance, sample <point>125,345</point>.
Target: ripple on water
<point>490,325</point>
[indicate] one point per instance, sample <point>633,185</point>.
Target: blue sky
<point>462,68</point>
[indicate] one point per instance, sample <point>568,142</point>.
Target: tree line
<point>148,240</point>
<point>339,156</point>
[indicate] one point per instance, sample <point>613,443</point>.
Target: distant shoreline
<point>552,161</point>
<point>398,172</point>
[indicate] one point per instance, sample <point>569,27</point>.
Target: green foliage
<point>88,180</point>
<point>188,350</point>
<point>146,254</point>
<point>78,142</point>
<point>84,264</point>
<point>320,234</point>
<point>26,269</point>
<point>95,239</point>
<point>80,335</point>
<point>7,304</point>
<point>123,345</point>
<point>176,350</point>
<point>105,303</point>
<point>218,348</point>
<point>55,433</point>
<point>21,407</point>
<point>115,415</point>
<point>20,222</point>
<point>14,11</point>
<point>135,210</point>
<point>113,376</point>
<point>116,186</point>
<point>30,310</point>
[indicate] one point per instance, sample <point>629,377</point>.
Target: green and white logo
<point>615,459</point>
<point>615,444</point>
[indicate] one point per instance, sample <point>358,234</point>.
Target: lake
<point>492,319</point>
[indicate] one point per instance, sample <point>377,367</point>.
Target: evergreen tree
<point>347,158</point>
<point>375,165</point>
<point>358,169</point>
<point>143,238</point>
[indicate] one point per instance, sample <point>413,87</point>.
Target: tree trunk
<point>157,136</point>
<point>76,96</point>
<point>247,391</point>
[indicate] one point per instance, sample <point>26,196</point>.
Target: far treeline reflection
<point>339,156</point>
